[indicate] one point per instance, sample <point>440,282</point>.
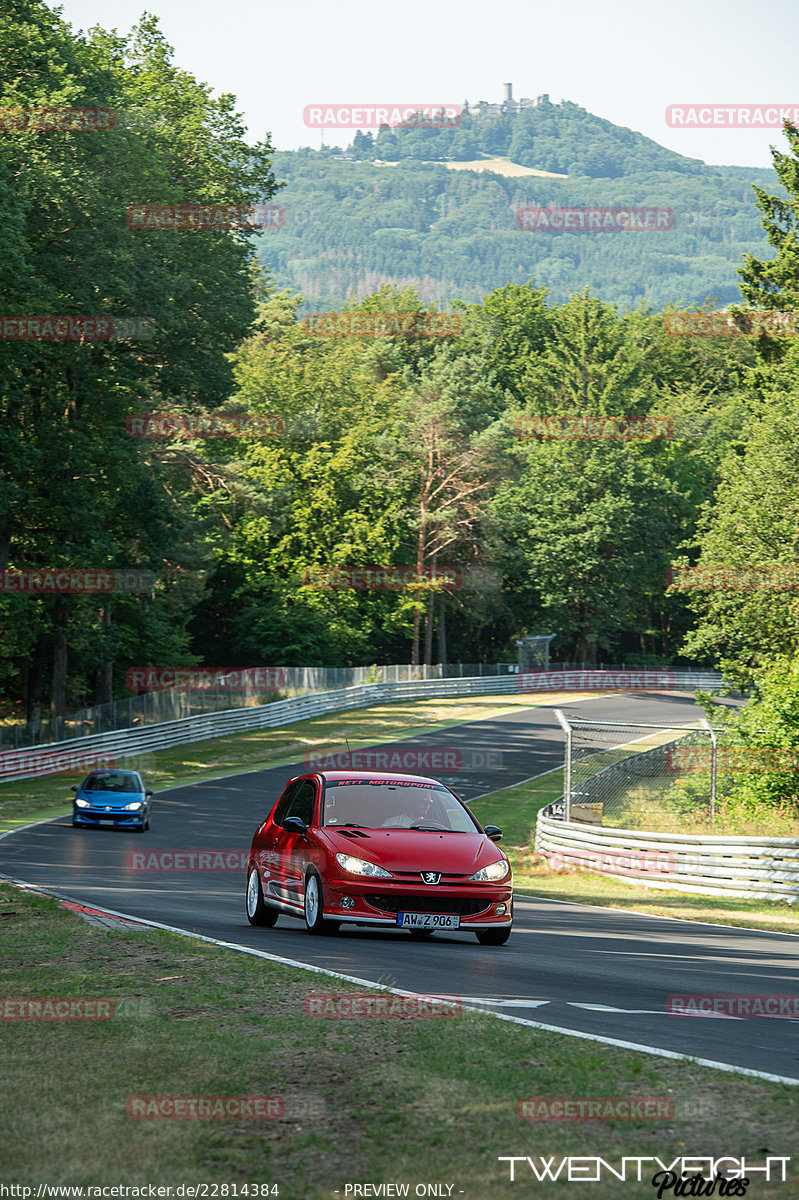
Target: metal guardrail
<point>84,752</point>
<point>743,867</point>
<point>751,868</point>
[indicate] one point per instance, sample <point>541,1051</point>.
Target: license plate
<point>416,920</point>
<point>106,822</point>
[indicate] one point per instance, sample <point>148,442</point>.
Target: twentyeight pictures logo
<point>372,116</point>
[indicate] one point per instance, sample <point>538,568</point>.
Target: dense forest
<point>370,452</point>
<point>389,210</point>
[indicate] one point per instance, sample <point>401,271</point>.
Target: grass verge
<point>366,1100</point>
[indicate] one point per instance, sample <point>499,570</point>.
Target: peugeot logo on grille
<point>431,877</point>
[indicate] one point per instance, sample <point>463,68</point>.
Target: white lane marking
<point>481,1000</point>
<point>292,962</point>
<point>655,1012</point>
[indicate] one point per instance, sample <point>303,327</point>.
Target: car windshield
<point>395,804</point>
<point>112,783</point>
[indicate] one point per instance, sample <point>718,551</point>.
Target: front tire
<point>257,911</point>
<point>313,907</point>
<point>494,937</point>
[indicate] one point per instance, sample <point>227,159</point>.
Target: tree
<point>77,487</point>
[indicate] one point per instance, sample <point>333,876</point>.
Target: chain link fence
<point>246,687</point>
<point>636,776</point>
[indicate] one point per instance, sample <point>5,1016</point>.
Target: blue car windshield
<point>112,783</point>
<point>394,804</point>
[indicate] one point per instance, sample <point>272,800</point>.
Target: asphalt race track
<point>581,968</point>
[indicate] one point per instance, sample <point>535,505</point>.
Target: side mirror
<point>493,832</point>
<point>295,825</point>
<point>74,787</point>
<point>146,794</point>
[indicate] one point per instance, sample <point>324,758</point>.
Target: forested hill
<point>411,207</point>
<point>563,138</point>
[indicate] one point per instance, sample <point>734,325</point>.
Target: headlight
<point>82,803</point>
<point>135,804</point>
<point>492,873</point>
<point>357,866</point>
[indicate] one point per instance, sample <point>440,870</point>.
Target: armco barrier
<point>754,868</point>
<point>21,764</point>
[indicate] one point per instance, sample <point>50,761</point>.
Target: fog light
<point>347,902</point>
<point>501,910</point>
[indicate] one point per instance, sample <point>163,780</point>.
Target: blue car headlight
<point>136,804</point>
<point>81,803</point>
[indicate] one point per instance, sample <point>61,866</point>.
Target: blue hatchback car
<point>112,798</point>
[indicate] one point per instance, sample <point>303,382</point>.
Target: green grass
<point>366,1100</point>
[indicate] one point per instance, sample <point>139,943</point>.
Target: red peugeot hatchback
<point>369,849</point>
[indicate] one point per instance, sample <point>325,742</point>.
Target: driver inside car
<point>417,809</point>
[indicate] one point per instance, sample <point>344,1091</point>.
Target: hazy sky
<point>624,60</point>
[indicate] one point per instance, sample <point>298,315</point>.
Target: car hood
<point>411,850</point>
<point>109,799</point>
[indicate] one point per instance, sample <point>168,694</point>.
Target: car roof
<point>377,775</point>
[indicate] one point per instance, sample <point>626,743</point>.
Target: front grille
<point>428,904</point>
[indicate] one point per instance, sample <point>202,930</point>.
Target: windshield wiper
<point>431,828</point>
